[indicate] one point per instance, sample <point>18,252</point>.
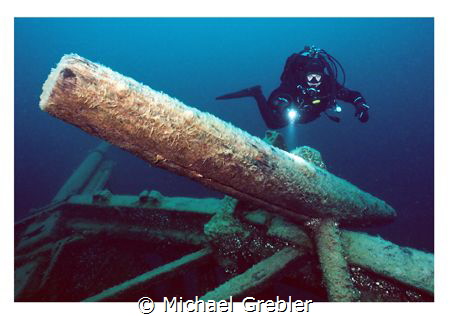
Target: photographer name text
<point>249,304</point>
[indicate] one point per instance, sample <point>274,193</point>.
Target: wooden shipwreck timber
<point>278,224</point>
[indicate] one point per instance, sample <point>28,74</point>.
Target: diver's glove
<point>362,111</point>
<point>283,100</point>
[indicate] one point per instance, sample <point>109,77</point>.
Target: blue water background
<point>389,60</point>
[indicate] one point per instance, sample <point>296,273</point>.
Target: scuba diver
<point>309,87</point>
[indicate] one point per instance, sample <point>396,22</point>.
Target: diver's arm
<point>272,118</point>
<point>273,112</point>
<point>348,95</point>
<point>355,98</point>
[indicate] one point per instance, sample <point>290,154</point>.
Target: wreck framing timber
<point>80,249</point>
<point>80,246</point>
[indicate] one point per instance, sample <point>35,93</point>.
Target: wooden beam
<point>255,277</point>
<point>179,138</point>
<point>407,265</point>
<point>81,175</point>
<point>333,263</point>
<point>99,179</point>
<point>154,276</point>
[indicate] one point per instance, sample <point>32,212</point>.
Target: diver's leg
<point>249,92</point>
<point>268,115</point>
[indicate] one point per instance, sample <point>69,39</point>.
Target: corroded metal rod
<point>179,138</point>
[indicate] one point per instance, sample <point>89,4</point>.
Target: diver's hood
<point>314,66</point>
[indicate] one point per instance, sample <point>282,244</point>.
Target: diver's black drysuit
<point>294,92</point>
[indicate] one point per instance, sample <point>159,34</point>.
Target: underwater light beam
<point>292,115</point>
